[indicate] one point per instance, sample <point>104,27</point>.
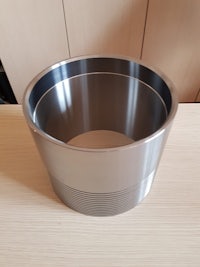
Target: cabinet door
<point>33,36</point>
<point>172,43</point>
<point>106,26</point>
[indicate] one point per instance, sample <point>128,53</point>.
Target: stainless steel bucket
<point>100,93</point>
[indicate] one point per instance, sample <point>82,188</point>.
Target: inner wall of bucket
<point>100,101</point>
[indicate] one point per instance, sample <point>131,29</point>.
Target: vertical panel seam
<point>197,95</point>
<point>144,30</point>
<point>66,30</point>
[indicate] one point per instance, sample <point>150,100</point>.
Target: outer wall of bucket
<point>100,93</point>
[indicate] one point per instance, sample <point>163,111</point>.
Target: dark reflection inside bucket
<point>100,101</point>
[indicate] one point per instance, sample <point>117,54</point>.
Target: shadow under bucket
<point>86,94</point>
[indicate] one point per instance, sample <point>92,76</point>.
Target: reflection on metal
<point>63,95</point>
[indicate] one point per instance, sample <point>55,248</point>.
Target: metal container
<point>100,93</point>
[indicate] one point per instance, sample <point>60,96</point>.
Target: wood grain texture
<point>102,27</point>
<point>172,41</point>
<point>36,229</point>
<point>100,139</point>
<point>33,36</point>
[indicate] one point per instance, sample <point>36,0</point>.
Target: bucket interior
<point>73,99</point>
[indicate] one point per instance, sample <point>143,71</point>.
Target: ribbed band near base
<point>102,204</point>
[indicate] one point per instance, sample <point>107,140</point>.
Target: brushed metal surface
<point>103,204</point>
<point>100,93</point>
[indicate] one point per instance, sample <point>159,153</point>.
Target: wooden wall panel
<point>106,26</point>
<point>33,36</point>
<point>172,43</point>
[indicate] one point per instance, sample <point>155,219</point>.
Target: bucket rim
<point>158,72</point>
